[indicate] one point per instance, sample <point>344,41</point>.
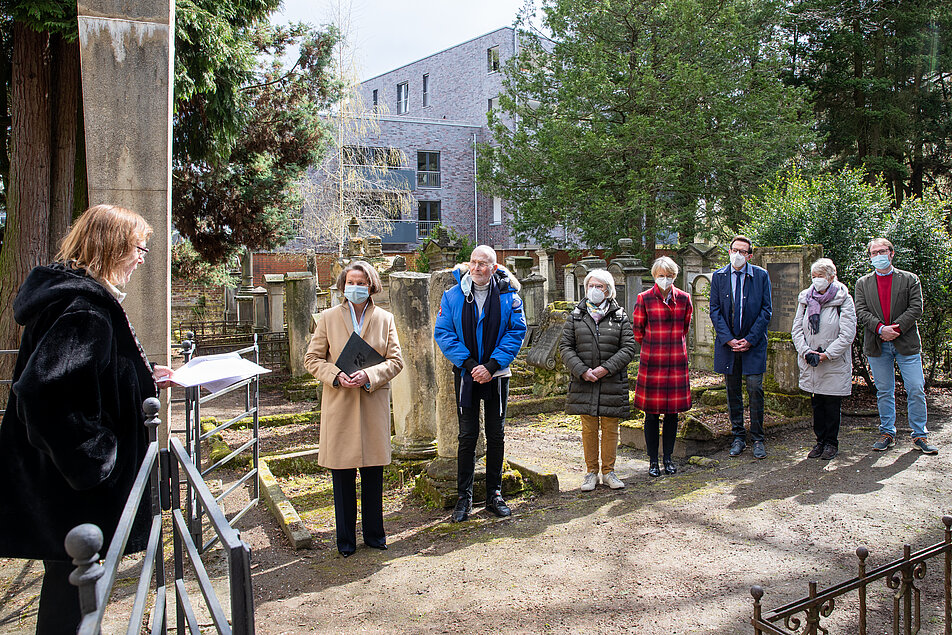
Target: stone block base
<point>438,489</point>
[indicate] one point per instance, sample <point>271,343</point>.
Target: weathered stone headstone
<point>259,297</point>
<point>441,250</point>
<point>695,259</point>
<point>275,286</point>
<point>627,271</point>
<point>568,274</point>
<point>550,376</point>
<point>701,336</point>
<point>789,270</point>
<point>300,301</point>
<point>414,408</point>
<point>533,298</point>
<point>547,271</point>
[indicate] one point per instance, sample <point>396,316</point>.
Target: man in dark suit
<point>888,307</point>
<point>740,310</point>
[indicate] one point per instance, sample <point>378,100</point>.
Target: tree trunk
<point>27,234</point>
<point>64,99</point>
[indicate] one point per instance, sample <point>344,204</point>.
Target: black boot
<point>464,507</point>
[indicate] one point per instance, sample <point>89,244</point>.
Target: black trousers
<point>755,401</point>
<point>669,434</point>
<point>371,507</point>
<point>494,396</point>
<point>826,418</point>
<point>59,612</point>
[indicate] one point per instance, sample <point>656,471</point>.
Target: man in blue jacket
<point>480,329</point>
<point>740,310</point>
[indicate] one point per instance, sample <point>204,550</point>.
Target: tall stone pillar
<point>547,271</point>
<point>300,301</point>
<point>414,410</point>
<point>126,53</point>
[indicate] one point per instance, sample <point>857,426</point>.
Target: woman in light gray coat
<point>823,332</point>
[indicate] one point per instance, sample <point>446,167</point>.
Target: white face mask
<point>738,260</point>
<point>595,296</point>
<point>821,284</point>
<point>664,282</point>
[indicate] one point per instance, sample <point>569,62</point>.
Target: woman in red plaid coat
<point>660,320</point>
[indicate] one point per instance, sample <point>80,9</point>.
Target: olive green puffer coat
<point>610,344</point>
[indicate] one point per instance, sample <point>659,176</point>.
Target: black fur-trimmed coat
<point>72,438</point>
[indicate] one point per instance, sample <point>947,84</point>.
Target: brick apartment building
<point>434,111</point>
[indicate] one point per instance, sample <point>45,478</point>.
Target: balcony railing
<point>428,179</point>
<point>424,227</point>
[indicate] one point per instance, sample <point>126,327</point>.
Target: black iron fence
<point>195,436</point>
<point>806,615</point>
<point>158,479</point>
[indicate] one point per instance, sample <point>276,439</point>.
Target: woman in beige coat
<point>355,409</point>
<point>823,332</point>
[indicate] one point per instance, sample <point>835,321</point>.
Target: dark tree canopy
<point>881,78</point>
<point>642,118</point>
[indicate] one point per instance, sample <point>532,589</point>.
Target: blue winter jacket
<point>448,331</point>
<point>758,308</point>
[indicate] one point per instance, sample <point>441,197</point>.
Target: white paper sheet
<point>215,372</point>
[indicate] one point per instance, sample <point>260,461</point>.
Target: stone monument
<point>789,269</point>
<point>126,65</point>
<point>627,271</point>
<point>695,259</point>
<point>300,300</point>
<point>414,406</point>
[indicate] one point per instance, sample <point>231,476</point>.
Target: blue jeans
<point>884,375</point>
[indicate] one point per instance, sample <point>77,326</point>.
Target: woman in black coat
<point>597,345</point>
<point>73,438</point>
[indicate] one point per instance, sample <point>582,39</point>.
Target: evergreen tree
<point>640,118</point>
<point>880,76</point>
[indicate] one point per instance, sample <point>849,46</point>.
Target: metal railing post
<point>83,544</point>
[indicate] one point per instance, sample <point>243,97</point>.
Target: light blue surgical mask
<point>356,293</point>
<point>880,261</point>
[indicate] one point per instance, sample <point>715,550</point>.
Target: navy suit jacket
<point>755,318</point>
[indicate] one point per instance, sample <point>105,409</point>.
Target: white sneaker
<point>591,480</point>
<point>612,481</point>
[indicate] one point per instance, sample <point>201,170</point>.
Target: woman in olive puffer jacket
<point>597,345</point>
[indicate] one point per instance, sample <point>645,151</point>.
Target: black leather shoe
<point>669,467</point>
<point>653,469</point>
<point>498,506</point>
<point>760,450</point>
<point>345,554</point>
<point>382,546</point>
<point>464,507</point>
<point>737,447</point>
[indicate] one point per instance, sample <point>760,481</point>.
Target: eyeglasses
<point>142,251</point>
<point>879,252</point>
<point>742,252</point>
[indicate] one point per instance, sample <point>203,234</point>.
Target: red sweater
<point>884,287</point>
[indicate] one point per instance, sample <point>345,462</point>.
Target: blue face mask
<point>356,293</point>
<point>880,261</point>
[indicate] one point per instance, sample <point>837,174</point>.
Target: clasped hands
<point>594,374</point>
<point>889,332</point>
<point>358,379</point>
<point>739,346</point>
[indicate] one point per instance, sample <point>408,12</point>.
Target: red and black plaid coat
<point>663,382</point>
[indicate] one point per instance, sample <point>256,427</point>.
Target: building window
<point>428,217</point>
<point>367,155</point>
<point>428,169</point>
<point>497,211</point>
<point>493,104</point>
<point>403,98</point>
<point>375,99</point>
<point>426,90</point>
<point>492,59</point>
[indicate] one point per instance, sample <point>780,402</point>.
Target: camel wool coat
<point>355,422</point>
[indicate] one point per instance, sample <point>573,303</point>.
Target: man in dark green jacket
<point>888,307</point>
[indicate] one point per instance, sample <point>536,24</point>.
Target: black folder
<point>357,355</point>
